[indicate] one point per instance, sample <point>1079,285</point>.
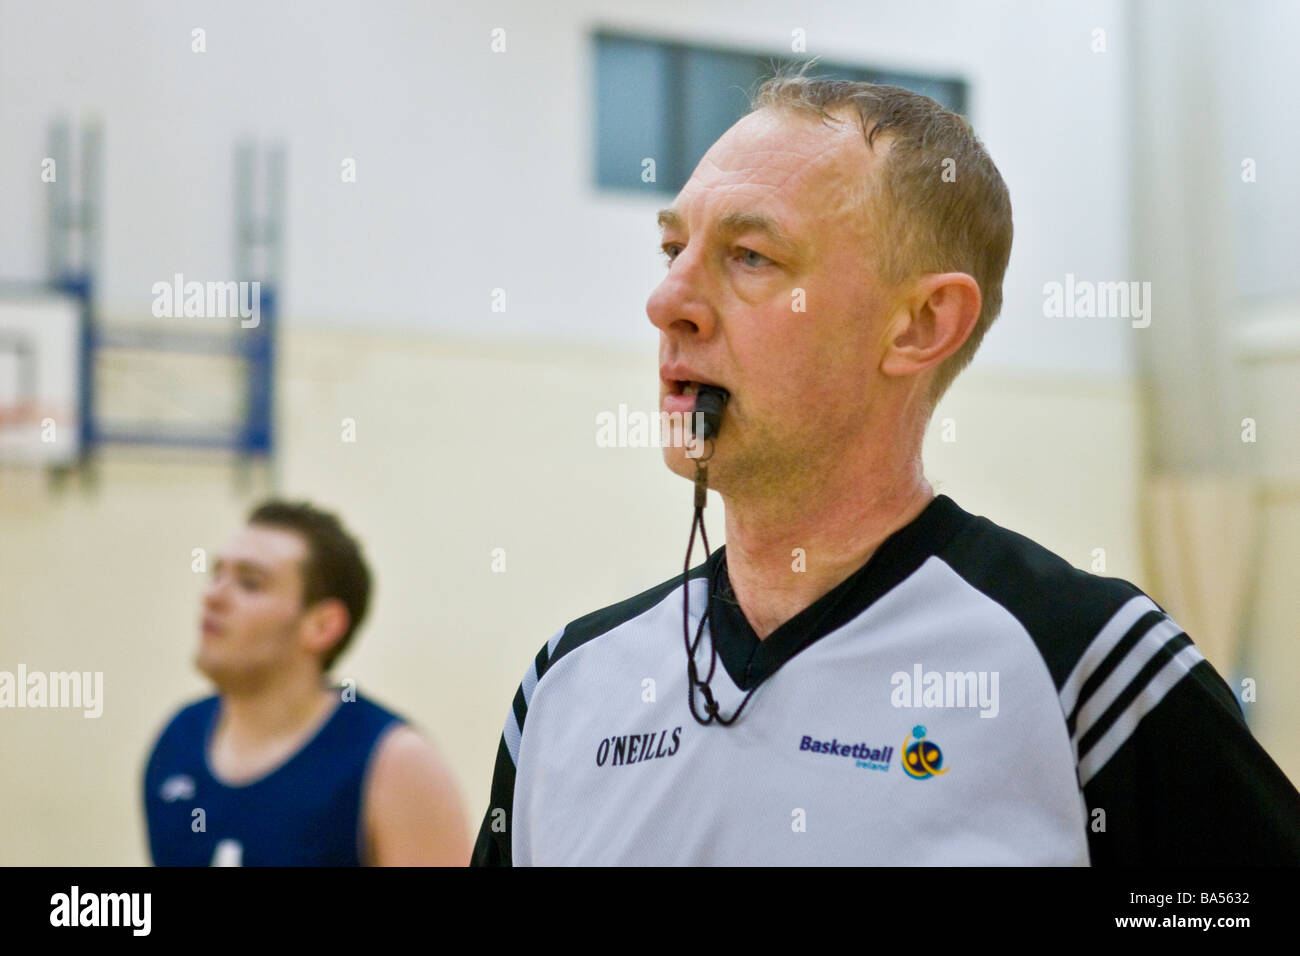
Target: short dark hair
<point>334,567</point>
<point>925,223</point>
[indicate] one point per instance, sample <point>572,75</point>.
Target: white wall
<point>474,168</point>
<point>1255,52</point>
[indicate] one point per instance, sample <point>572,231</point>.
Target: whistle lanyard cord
<point>692,674</point>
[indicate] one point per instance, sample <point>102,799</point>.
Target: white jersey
<point>965,698</point>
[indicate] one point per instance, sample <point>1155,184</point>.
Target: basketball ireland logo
<point>922,758</point>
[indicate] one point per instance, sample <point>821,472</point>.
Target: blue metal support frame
<point>255,435</point>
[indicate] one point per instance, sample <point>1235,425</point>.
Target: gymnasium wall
<point>475,170</point>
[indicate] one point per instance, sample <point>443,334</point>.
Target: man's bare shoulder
<point>414,813</point>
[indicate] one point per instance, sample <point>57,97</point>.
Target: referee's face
<point>252,609</point>
<point>769,293</point>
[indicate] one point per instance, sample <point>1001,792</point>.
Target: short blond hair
<point>932,222</point>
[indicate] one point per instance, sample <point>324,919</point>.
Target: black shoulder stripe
<point>1062,607</point>
<point>1136,686</point>
<point>1111,661</point>
<point>599,623</point>
<point>576,634</point>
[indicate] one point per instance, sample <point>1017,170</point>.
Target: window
<point>669,102</point>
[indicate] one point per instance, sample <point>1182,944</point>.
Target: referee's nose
<point>680,305</point>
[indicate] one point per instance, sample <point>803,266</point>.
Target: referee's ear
<point>930,323</point>
<point>323,625</point>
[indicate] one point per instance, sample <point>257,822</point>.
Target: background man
<point>902,682</point>
<point>279,768</point>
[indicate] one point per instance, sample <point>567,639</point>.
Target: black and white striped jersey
<point>966,697</point>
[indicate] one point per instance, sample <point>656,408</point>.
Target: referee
<point>875,675</point>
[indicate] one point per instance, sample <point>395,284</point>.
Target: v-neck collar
<point>749,660</point>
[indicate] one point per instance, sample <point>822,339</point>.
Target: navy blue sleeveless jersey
<point>306,812</point>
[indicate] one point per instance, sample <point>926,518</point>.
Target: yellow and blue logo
<point>922,758</point>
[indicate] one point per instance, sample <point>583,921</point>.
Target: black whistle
<point>706,419</point>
